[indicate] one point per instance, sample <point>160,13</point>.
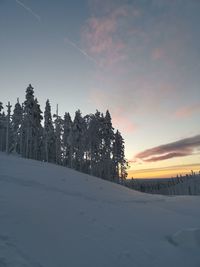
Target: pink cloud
<point>151,96</point>
<point>158,53</point>
<point>123,123</point>
<point>98,97</point>
<point>120,117</point>
<point>102,6</point>
<point>180,148</point>
<point>187,111</point>
<point>167,156</point>
<point>101,34</point>
<point>113,38</point>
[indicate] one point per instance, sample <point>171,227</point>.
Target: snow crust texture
<point>51,216</point>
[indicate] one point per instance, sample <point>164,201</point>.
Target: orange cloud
<point>188,111</point>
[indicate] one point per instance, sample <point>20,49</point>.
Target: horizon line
<point>165,172</point>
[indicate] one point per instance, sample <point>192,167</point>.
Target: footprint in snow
<point>186,238</point>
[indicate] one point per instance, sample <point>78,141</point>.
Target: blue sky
<point>139,59</point>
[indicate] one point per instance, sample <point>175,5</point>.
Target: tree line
<point>87,143</point>
<point>180,185</point>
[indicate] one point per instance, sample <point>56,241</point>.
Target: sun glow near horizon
<point>167,160</point>
<point>163,172</point>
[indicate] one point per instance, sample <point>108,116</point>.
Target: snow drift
<point>51,216</point>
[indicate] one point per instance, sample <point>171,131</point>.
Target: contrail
<point>80,50</point>
<point>29,10</point>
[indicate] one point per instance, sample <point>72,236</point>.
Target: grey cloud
<point>180,148</point>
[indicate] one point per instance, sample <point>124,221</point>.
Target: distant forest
<point>88,143</point>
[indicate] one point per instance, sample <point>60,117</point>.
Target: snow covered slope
<point>51,216</point>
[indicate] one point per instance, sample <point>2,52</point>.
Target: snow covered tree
<point>87,144</point>
<point>58,122</point>
<point>31,126</point>
<point>1,125</point>
<point>95,143</point>
<point>27,125</point>
<point>119,161</point>
<point>37,131</point>
<point>2,129</point>
<point>16,126</point>
<point>78,138</point>
<point>1,106</point>
<point>108,137</point>
<point>49,135</point>
<point>67,138</point>
<point>8,128</point>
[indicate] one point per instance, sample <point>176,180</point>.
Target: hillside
<point>51,216</point>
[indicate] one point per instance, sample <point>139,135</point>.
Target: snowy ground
<point>51,216</point>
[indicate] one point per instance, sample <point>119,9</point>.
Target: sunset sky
<point>140,59</point>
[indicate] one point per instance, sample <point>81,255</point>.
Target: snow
<point>51,216</point>
<point>187,238</point>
